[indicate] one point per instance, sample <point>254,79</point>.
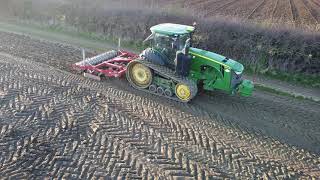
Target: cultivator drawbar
<point>110,64</point>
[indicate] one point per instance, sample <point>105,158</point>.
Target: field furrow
<point>257,8</point>
<point>284,12</point>
<point>294,12</point>
<point>309,16</point>
<point>239,8</point>
<point>218,7</point>
<point>314,8</point>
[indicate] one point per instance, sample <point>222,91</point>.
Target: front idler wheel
<point>183,92</point>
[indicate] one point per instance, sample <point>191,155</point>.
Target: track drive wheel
<point>183,92</point>
<point>139,75</point>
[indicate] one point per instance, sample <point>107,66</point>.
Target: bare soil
<point>54,123</point>
<point>306,10</point>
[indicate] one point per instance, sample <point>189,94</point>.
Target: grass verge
<point>296,78</point>
<point>278,92</point>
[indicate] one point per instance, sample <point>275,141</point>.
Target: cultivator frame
<point>112,67</point>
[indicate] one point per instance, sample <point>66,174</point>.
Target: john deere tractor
<point>172,68</point>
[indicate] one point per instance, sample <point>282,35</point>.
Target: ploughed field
<point>54,123</point>
<point>276,11</point>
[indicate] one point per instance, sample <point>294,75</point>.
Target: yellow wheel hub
<point>141,75</point>
<point>183,92</point>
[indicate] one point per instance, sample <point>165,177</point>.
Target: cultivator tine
<point>91,76</point>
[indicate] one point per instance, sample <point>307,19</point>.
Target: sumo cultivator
<point>108,64</point>
<point>170,67</point>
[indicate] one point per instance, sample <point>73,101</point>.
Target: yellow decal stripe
<point>210,59</point>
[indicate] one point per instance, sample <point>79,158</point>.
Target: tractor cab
<point>171,42</point>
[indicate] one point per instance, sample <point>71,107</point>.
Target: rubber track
<point>169,74</point>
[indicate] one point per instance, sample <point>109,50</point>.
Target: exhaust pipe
<point>83,55</point>
<point>119,44</point>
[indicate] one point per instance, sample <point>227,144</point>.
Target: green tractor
<point>172,68</point>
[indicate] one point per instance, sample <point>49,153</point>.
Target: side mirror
<point>188,43</point>
<point>194,25</point>
<point>149,37</point>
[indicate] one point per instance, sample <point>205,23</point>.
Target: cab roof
<point>172,29</point>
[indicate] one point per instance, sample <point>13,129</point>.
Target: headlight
<point>238,72</point>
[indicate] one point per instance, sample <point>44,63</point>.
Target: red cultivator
<point>109,64</point>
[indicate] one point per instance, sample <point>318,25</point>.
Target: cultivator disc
<point>98,59</point>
